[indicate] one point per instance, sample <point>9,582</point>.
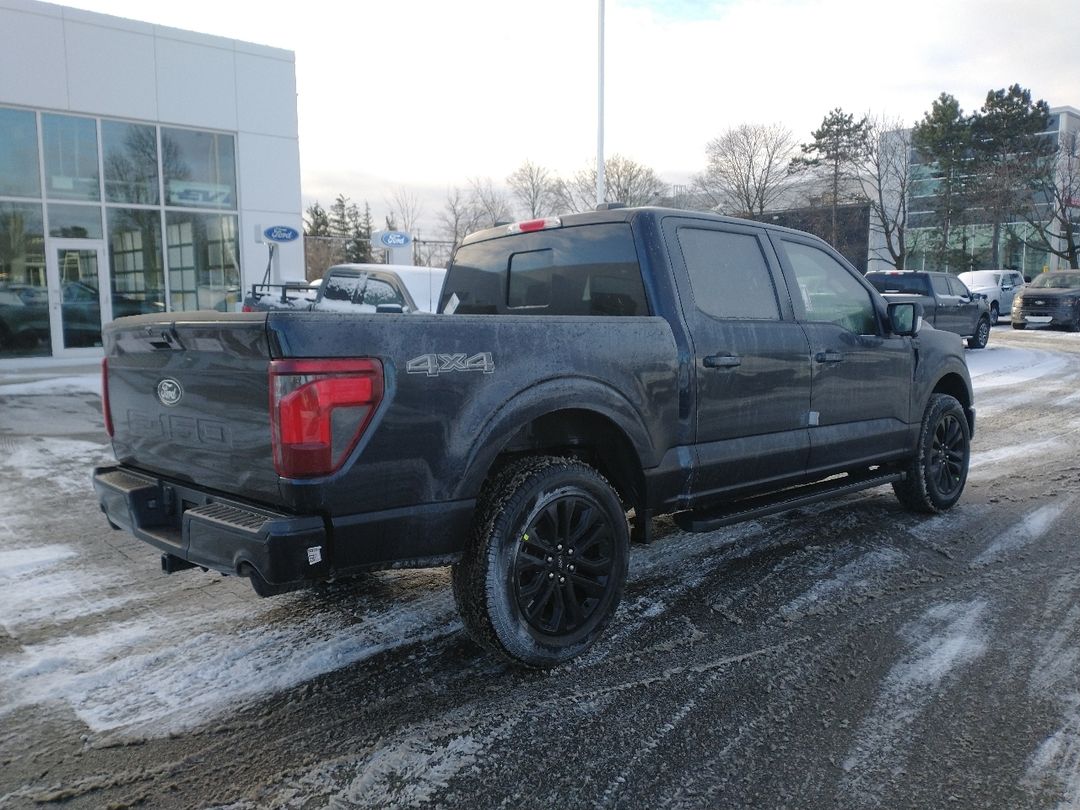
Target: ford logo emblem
<point>169,392</point>
<point>395,239</point>
<point>281,233</point>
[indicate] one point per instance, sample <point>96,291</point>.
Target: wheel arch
<point>959,389</point>
<point>601,427</point>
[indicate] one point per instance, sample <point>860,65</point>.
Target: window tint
<point>728,274</point>
<point>583,270</point>
<point>530,279</point>
<point>341,288</point>
<point>828,292</point>
<point>941,285</point>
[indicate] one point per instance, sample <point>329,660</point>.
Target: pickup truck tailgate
<point>189,398</point>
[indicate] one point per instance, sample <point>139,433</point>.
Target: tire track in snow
<point>1055,675</point>
<point>1033,526</point>
<point>946,638</point>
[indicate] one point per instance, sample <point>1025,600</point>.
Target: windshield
<point>981,278</point>
<point>1057,281</point>
<point>899,283</point>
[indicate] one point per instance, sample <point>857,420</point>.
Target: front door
<point>79,300</point>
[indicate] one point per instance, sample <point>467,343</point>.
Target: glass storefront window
<point>200,169</point>
<point>75,221</point>
<point>71,157</point>
<point>138,274</point>
<point>19,154</point>
<point>131,165</point>
<point>204,266</point>
<point>24,296</point>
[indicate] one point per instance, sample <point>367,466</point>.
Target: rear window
<point>899,283</point>
<point>584,270</point>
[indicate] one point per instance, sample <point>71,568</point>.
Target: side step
<point>763,505</point>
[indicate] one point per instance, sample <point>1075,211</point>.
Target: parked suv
<point>999,287</point>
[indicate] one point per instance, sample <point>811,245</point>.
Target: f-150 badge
<point>435,364</point>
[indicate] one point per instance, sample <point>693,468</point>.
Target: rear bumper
<point>240,538</point>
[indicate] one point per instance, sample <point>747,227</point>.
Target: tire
<point>937,474</point>
<point>995,314</point>
<point>1019,325</point>
<point>981,336</point>
<point>545,566</point>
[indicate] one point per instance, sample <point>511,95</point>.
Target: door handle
<point>829,356</point>
<point>721,361</point>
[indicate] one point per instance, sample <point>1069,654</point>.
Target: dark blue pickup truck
<point>651,360</point>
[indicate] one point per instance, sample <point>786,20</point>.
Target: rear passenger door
<point>968,310</point>
<point>949,314</point>
<point>751,360</point>
<point>861,377</point>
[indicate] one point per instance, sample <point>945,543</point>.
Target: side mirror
<point>905,318</point>
<point>1027,279</point>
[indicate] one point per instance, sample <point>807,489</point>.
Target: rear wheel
<point>1019,325</point>
<point>546,563</point>
<point>981,336</point>
<point>937,474</point>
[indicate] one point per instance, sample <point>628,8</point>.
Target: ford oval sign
<point>395,239</point>
<point>169,392</point>
<point>281,233</point>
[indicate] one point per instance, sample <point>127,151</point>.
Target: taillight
<point>106,410</point>
<point>319,409</point>
<point>530,225</point>
<point>247,308</point>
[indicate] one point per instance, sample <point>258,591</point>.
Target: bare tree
<point>458,217</point>
<point>405,209</point>
<point>627,181</point>
<point>747,169</point>
<point>884,170</point>
<point>1055,215</point>
<point>489,203</point>
<point>532,186</point>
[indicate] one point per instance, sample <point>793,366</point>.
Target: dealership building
<point>140,167</point>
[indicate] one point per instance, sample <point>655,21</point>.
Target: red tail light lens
<point>319,409</point>
<point>106,410</point>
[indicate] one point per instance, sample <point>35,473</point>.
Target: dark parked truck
<point>635,359</point>
<point>947,303</point>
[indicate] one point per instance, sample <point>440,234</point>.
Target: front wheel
<point>995,314</point>
<point>1019,325</point>
<point>981,336</point>
<point>937,474</point>
<point>545,566</point>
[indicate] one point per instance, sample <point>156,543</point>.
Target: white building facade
<point>139,167</point>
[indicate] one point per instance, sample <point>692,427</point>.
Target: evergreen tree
<point>339,217</point>
<point>316,220</point>
<point>1009,154</point>
<point>838,144</point>
<point>942,140</point>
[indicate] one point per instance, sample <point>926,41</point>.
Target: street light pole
<point>600,190</point>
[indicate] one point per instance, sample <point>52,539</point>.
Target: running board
<point>764,505</point>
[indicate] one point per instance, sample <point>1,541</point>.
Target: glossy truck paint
<point>655,378</point>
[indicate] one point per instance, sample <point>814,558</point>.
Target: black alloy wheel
<point>981,336</point>
<point>947,465</point>
<point>995,314</point>
<point>564,564</point>
<point>935,476</point>
<point>545,566</point>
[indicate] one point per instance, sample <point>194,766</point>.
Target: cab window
<point>828,292</point>
<point>728,274</point>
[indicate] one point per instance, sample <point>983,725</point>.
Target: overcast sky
<point>425,94</point>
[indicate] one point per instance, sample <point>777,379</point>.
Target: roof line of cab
<point>625,215</point>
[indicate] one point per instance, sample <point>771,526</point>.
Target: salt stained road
<point>845,655</point>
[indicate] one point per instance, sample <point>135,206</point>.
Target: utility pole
<point>600,190</point>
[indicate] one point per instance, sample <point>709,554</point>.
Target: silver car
<point>999,287</point>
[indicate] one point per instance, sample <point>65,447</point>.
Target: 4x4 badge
<point>169,392</point>
<point>435,364</point>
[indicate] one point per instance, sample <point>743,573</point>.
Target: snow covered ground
<point>846,654</point>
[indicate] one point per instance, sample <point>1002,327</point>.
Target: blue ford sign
<point>395,239</point>
<point>281,233</point>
